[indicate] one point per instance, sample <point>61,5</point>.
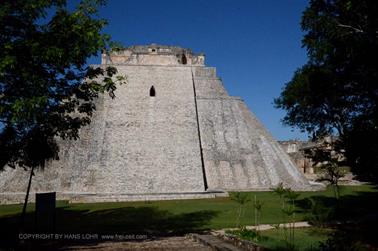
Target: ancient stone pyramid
<point>172,132</point>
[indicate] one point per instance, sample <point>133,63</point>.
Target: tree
<point>336,91</point>
<point>290,196</point>
<point>257,205</point>
<point>47,90</point>
<point>329,158</point>
<point>241,199</point>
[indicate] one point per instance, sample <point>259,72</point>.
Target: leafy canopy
<point>336,91</point>
<point>46,87</point>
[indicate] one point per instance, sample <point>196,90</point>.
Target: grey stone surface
<point>190,137</point>
<point>171,243</point>
<point>214,242</point>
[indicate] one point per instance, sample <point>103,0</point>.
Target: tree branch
<point>351,27</point>
<point>356,30</point>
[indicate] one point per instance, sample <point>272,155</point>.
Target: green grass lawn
<point>159,218</point>
<point>305,238</point>
<point>209,213</point>
<point>308,238</point>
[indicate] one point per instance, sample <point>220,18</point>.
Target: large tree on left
<point>47,89</point>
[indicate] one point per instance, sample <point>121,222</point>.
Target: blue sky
<point>254,44</point>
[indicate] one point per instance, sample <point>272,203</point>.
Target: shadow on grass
<point>148,222</point>
<point>353,217</point>
<point>348,208</point>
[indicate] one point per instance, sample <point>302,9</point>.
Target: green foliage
<point>287,201</point>
<point>46,87</point>
<point>342,241</point>
<point>249,234</point>
<point>279,190</point>
<point>241,199</point>
<point>318,213</point>
<point>246,234</point>
<point>257,205</point>
<point>290,209</point>
<point>336,91</point>
<point>290,195</point>
<point>331,172</point>
<point>308,238</point>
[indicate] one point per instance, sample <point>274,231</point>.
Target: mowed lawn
<point>308,238</point>
<point>188,215</point>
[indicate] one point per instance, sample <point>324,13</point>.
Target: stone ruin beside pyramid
<point>171,132</point>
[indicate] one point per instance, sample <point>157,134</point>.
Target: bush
<point>246,234</point>
<point>318,213</point>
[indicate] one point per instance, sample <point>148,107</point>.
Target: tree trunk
<point>23,214</point>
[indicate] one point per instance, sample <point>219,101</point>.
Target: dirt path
<point>264,227</point>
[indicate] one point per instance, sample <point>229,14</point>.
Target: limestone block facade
<point>171,132</point>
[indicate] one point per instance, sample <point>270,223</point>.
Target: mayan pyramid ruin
<point>171,132</point>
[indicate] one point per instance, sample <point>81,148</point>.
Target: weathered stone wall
<point>136,144</point>
<point>152,142</point>
<point>239,153</point>
<point>76,171</point>
<point>153,55</point>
